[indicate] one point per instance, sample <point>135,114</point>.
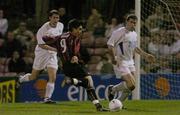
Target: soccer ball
<point>115,105</point>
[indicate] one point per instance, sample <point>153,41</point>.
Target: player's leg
<point>29,76</point>
<point>73,72</point>
<point>126,86</point>
<point>52,71</point>
<point>131,86</point>
<point>39,64</point>
<point>50,85</point>
<point>79,76</point>
<point>87,83</point>
<point>70,74</point>
<point>124,95</point>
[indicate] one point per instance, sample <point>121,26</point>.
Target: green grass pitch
<point>142,107</point>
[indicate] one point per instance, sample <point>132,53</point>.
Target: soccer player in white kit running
<point>46,56</point>
<point>122,45</point>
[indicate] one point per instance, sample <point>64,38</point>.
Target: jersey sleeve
<point>61,27</point>
<point>115,38</point>
<point>40,35</point>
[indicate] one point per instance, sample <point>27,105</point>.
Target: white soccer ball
<point>115,105</point>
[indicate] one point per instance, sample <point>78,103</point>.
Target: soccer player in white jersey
<point>122,45</point>
<point>45,55</point>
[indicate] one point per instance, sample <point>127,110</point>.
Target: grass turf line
<point>142,107</point>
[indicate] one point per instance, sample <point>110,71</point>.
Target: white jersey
<point>124,42</point>
<point>47,30</point>
<point>45,58</point>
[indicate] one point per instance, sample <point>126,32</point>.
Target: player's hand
<point>114,60</point>
<point>52,52</point>
<point>150,58</point>
<point>74,59</point>
<point>49,34</point>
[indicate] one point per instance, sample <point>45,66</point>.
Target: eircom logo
<point>7,92</point>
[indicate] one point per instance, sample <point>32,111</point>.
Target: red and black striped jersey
<point>67,46</point>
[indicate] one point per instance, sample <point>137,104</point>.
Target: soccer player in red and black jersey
<point>68,46</point>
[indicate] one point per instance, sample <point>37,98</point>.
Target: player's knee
<point>86,83</point>
<point>52,79</point>
<point>132,87</point>
<point>90,81</point>
<point>32,77</point>
<point>130,84</point>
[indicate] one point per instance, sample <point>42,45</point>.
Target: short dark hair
<point>74,23</point>
<point>53,12</point>
<point>131,16</point>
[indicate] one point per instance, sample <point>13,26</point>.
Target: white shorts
<point>123,69</point>
<point>44,59</point>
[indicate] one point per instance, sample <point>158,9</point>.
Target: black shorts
<point>74,70</point>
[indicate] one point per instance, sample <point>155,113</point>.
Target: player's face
<point>78,31</point>
<point>131,23</point>
<point>54,19</point>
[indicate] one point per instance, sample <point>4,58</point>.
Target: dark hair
<point>74,23</point>
<point>131,16</point>
<point>53,12</point>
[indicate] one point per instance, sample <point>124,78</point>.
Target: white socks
<point>119,87</point>
<point>75,81</point>
<point>24,78</point>
<point>95,102</point>
<point>49,90</point>
<point>123,88</point>
<point>124,95</point>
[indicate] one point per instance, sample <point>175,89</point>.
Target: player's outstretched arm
<point>149,57</point>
